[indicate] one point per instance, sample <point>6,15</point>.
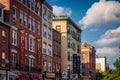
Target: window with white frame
<point>31,62</point>
<point>33,25</point>
<point>14,59</point>
<point>44,47</point>
<point>3,35</point>
<point>44,30</point>
<point>29,3</point>
<point>14,37</point>
<point>50,50</point>
<point>14,13</point>
<point>33,5</point>
<point>31,43</point>
<point>58,28</point>
<point>45,13</point>
<point>49,17</point>
<point>25,19</point>
<point>45,65</point>
<point>38,8</point>
<point>21,16</point>
<point>38,29</point>
<point>49,33</point>
<point>3,59</point>
<point>29,23</point>
<point>49,67</point>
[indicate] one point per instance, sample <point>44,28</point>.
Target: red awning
<point>35,78</point>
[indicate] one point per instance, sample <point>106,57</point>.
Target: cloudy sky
<point>99,20</point>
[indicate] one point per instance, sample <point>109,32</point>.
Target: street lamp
<point>6,62</point>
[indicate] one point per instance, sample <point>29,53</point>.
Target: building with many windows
<point>56,53</point>
<point>4,44</point>
<point>47,40</point>
<point>70,46</point>
<point>88,61</point>
<point>25,19</point>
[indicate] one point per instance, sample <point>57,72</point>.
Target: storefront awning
<point>9,73</point>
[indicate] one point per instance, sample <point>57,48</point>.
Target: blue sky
<point>99,20</point>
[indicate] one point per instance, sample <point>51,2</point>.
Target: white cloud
<point>107,51</point>
<point>101,13</point>
<point>59,10</point>
<point>110,37</point>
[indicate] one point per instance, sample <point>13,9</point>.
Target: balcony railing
<point>26,68</point>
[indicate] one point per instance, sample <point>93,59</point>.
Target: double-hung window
<point>14,59</point>
<point>29,23</point>
<point>38,8</point>
<point>21,16</point>
<point>38,29</point>
<point>49,33</point>
<point>25,19</point>
<point>14,13</point>
<point>50,50</point>
<point>31,43</point>
<point>45,13</point>
<point>58,28</point>
<point>14,37</point>
<point>3,36</point>
<point>44,47</point>
<point>3,59</point>
<point>45,30</point>
<point>49,17</point>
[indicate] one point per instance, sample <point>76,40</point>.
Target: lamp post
<point>6,62</point>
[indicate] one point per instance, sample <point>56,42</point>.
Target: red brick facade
<point>57,53</point>
<point>24,19</point>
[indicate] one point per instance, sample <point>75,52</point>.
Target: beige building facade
<point>71,39</point>
<point>88,61</point>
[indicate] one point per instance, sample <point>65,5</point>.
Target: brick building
<point>71,39</point>
<point>4,44</point>
<point>25,19</point>
<point>56,53</point>
<point>88,61</point>
<point>47,41</point>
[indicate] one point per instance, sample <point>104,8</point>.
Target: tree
<point>99,75</point>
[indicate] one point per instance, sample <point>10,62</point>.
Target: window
<point>69,29</point>
<point>14,37</point>
<point>14,13</point>
<point>20,0</point>
<point>45,31</point>
<point>44,47</point>
<point>31,62</point>
<point>3,59</point>
<point>49,50</point>
<point>33,5</point>
<point>69,43</point>
<point>3,36</point>
<point>38,8</point>
<point>14,59</point>
<point>49,67</point>
<point>49,33</point>
<point>29,23</point>
<point>45,65</point>
<point>33,25</point>
<point>58,28</point>
<point>25,19</point>
<point>0,12</point>
<point>29,3</point>
<point>31,43</point>
<point>45,13</point>
<point>38,29</point>
<point>24,2</point>
<point>21,16</point>
<point>49,17</point>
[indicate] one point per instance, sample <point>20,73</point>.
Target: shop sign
<point>50,75</point>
